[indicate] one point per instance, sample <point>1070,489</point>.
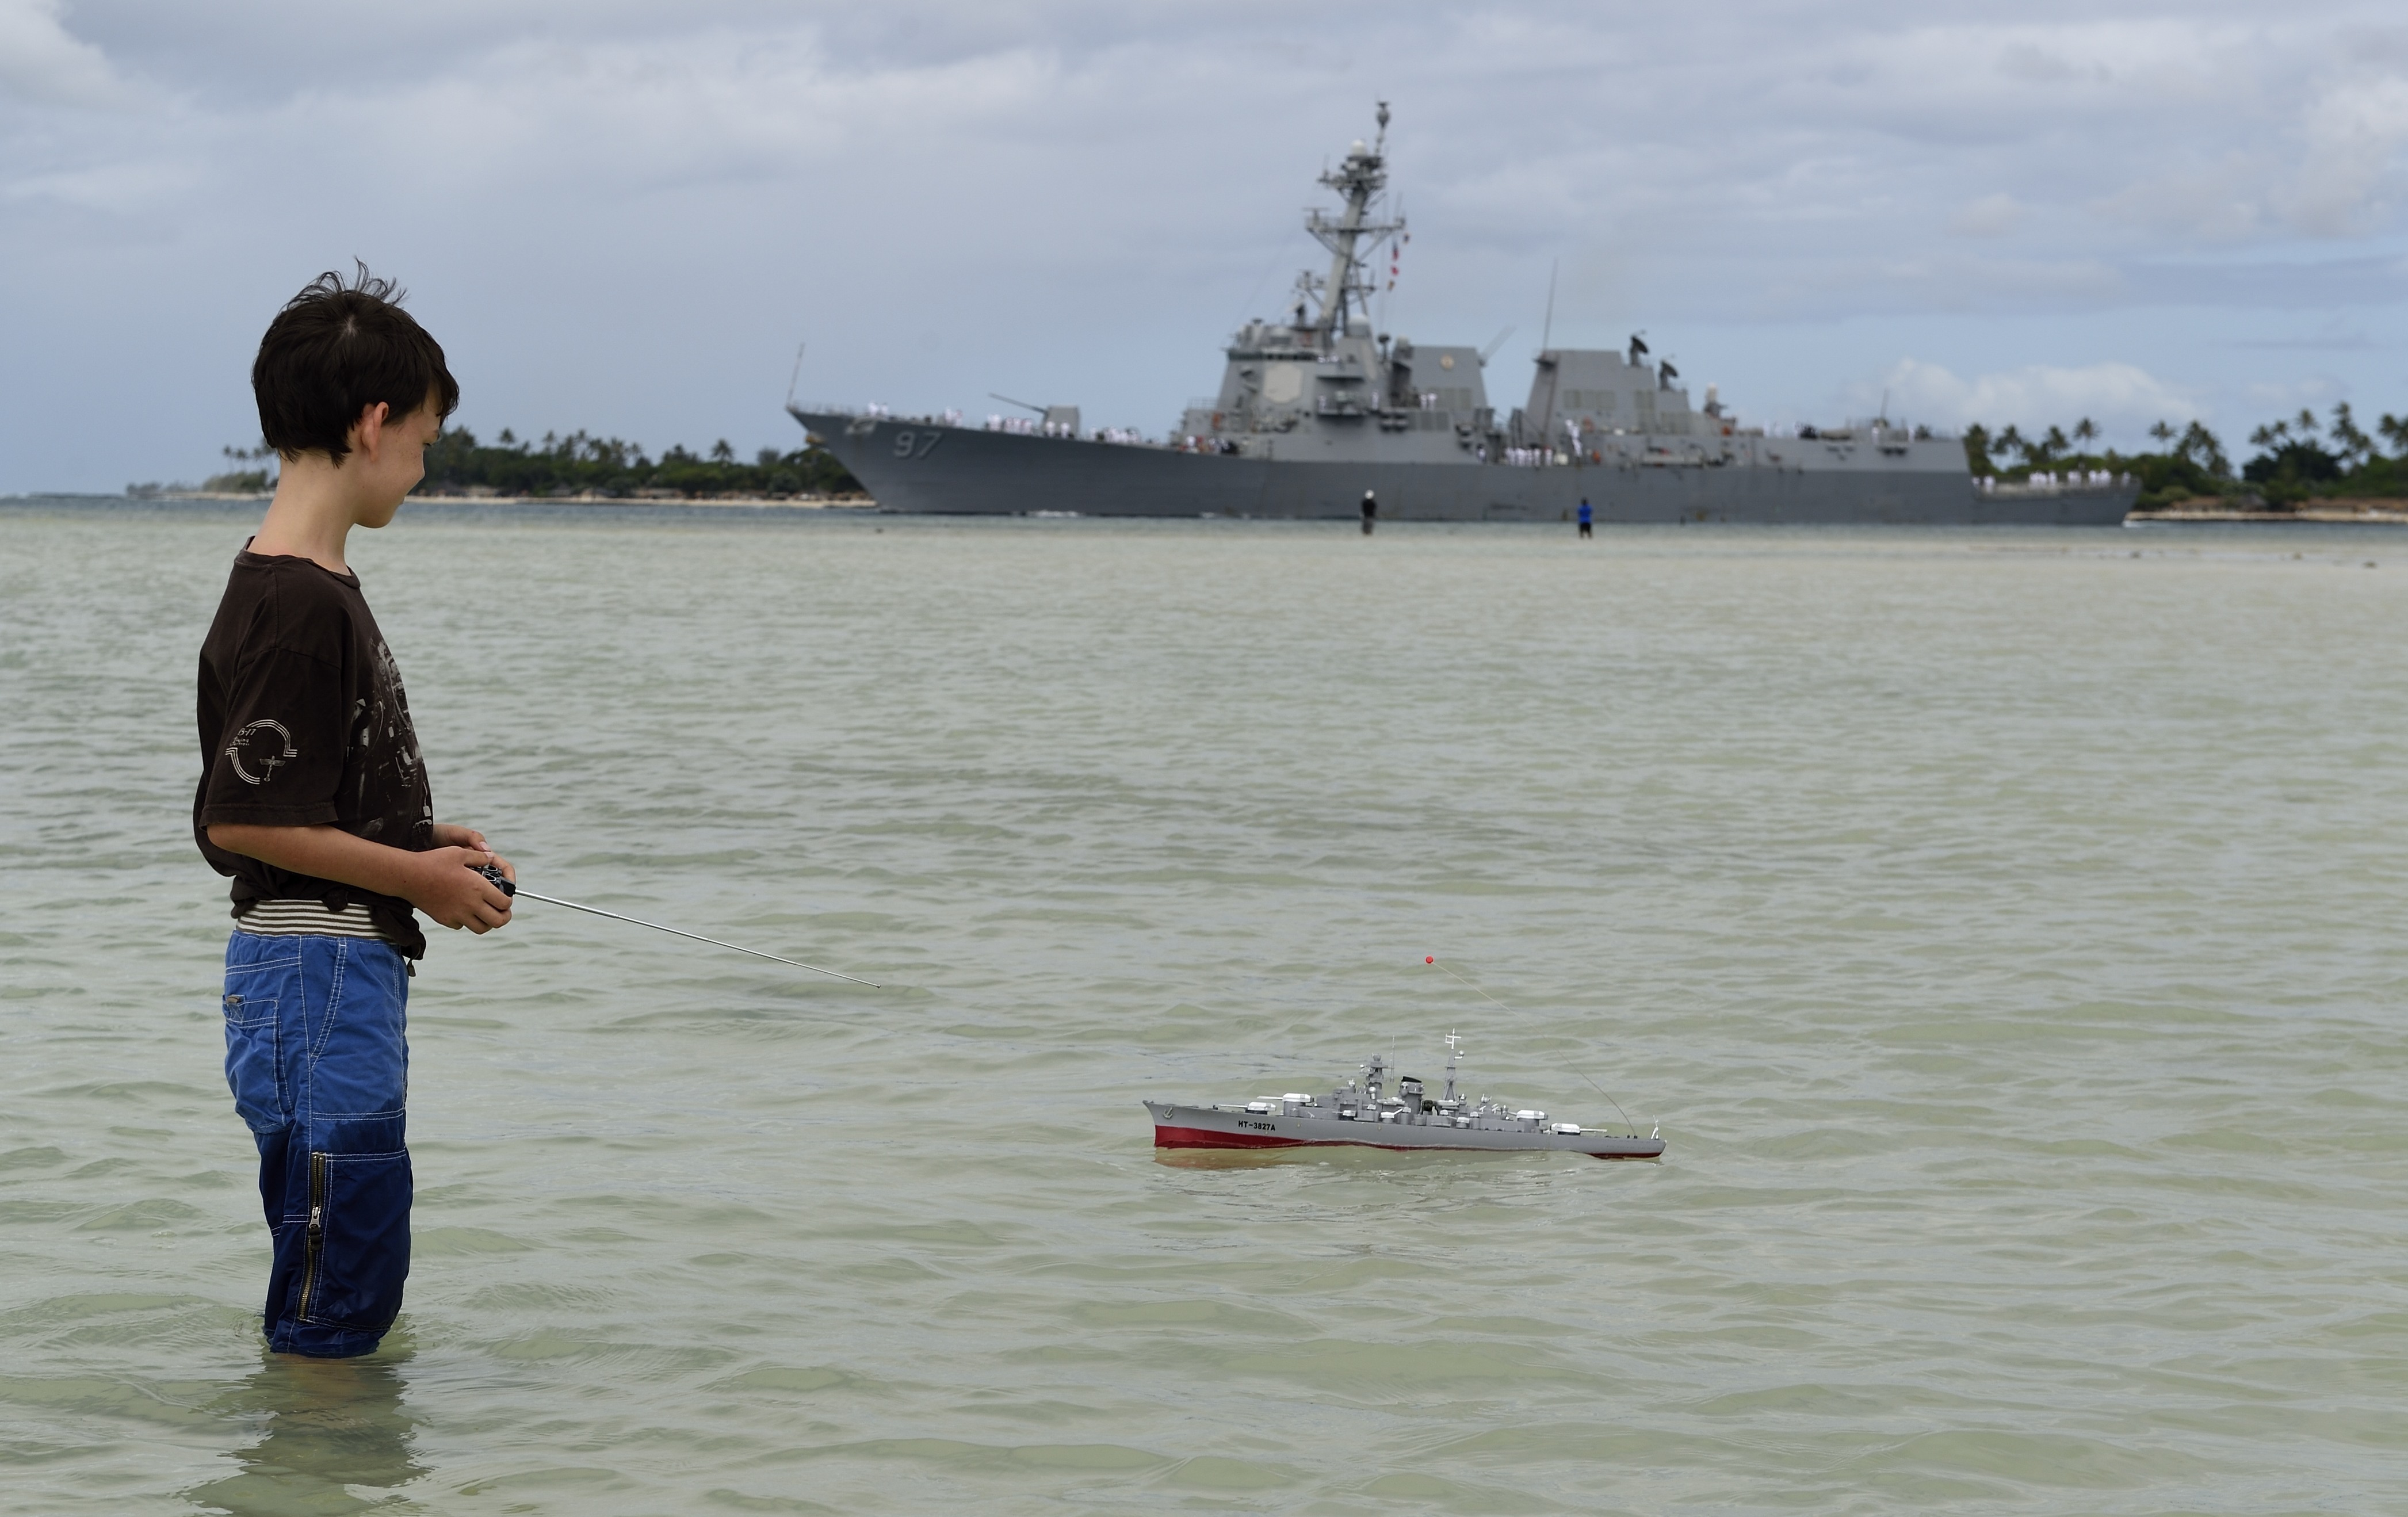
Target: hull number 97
<point>917,444</point>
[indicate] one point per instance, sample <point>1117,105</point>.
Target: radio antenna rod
<point>511,888</point>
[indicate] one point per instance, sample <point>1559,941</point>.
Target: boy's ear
<point>368,431</point>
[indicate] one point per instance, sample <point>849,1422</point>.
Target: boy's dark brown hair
<point>336,349</point>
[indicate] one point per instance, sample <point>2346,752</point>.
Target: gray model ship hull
<point>1219,1127</point>
<point>934,467</point>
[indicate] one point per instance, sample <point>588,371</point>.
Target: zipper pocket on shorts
<point>315,1246</point>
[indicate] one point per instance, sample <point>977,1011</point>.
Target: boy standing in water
<point>312,798</point>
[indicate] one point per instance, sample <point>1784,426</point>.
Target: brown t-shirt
<point>303,721</point>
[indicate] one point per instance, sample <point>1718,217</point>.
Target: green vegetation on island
<point>2299,460</point>
<point>570,467</point>
<point>237,481</point>
<point>578,465</point>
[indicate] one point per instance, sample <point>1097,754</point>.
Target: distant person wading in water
<point>1370,511</point>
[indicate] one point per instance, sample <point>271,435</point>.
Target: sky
<point>627,216</point>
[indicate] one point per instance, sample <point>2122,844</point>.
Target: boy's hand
<point>438,881</point>
<point>447,888</point>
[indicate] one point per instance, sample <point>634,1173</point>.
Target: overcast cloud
<point>624,215</point>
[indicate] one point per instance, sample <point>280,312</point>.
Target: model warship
<point>1365,1113</point>
<point>1317,409</point>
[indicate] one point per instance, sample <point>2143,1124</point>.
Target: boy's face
<point>393,461</point>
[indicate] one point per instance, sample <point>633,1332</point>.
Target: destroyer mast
<point>1358,181</point>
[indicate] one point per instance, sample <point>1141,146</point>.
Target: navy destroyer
<point>1365,1113</point>
<point>1316,411</point>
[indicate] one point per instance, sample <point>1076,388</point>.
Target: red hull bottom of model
<point>1198,1138</point>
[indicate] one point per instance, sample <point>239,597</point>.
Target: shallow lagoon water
<point>2000,926</point>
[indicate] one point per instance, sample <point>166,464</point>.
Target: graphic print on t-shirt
<point>386,750</point>
<point>267,744</point>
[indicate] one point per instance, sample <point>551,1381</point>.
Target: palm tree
<point>2012,441</point>
<point>2348,441</point>
<point>2201,446</point>
<point>2085,432</point>
<point>1977,449</point>
<point>2164,433</point>
<point>2306,423</point>
<point>2394,430</point>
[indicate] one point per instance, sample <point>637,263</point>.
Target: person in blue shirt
<point>1584,519</point>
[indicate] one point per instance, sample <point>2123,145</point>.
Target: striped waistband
<point>308,919</point>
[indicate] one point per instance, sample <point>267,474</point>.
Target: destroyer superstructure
<point>1317,408</point>
<point>1369,1112</point>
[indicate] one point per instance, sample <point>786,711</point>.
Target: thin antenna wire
<point>1548,331</point>
<point>554,900</point>
<point>1260,279</point>
<point>796,377</point>
<point>1432,960</point>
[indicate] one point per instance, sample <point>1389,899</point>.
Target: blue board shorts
<point>320,1070</point>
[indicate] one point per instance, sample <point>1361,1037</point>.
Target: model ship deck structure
<point>1366,1112</point>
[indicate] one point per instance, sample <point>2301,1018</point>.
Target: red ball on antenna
<point>1430,958</point>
